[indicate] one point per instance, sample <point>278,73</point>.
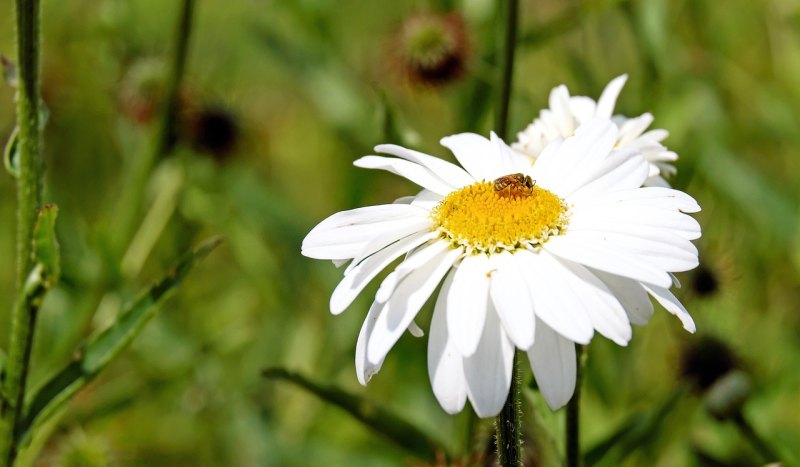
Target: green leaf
<point>11,154</point>
<point>46,257</point>
<point>46,250</point>
<point>100,351</point>
<point>375,417</point>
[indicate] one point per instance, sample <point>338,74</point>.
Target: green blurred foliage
<point>310,86</point>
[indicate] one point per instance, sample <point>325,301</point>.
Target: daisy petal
<point>411,263</point>
<point>559,105</point>
<point>599,257</point>
<point>509,161</point>
<point>418,174</point>
<point>415,330</point>
<point>404,305</point>
<point>512,300</point>
<point>672,304</point>
<point>608,99</point>
<point>553,300</point>
<point>359,276</point>
<point>364,368</point>
<point>630,294</point>
<point>445,365</point>
<point>633,128</point>
<point>344,234</point>
<point>488,370</point>
<point>467,302</point>
<point>606,313</point>
<point>451,173</point>
<point>590,146</point>
<point>553,362</point>
<point>665,198</point>
<point>473,153</point>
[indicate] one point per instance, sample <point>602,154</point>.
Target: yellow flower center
<point>487,217</point>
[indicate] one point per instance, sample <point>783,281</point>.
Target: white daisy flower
<point>536,257</point>
<point>566,113</point>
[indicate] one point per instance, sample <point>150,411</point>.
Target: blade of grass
<point>399,431</point>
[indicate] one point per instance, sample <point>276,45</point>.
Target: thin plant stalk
<point>758,442</point>
<point>509,11</point>
<point>508,422</point>
<point>29,199</point>
<point>573,447</point>
<point>130,207</point>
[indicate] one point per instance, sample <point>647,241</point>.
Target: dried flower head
<point>432,48</point>
<point>705,360</point>
<point>213,130</point>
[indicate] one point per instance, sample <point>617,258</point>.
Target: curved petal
<point>418,174</point>
<point>553,362</point>
<point>633,128</point>
<point>488,370</point>
<point>512,300</point>
<point>509,162</point>
<point>364,368</point>
<point>450,173</point>
<point>445,364</point>
<point>672,304</point>
<point>559,105</point>
<point>467,302</point>
<point>344,234</point>
<point>362,273</point>
<point>606,313</point>
<point>415,260</point>
<point>404,305</point>
<point>630,294</point>
<point>474,153</point>
<point>608,99</point>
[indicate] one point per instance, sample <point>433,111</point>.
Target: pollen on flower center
<point>482,217</point>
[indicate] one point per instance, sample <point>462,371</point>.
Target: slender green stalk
<point>573,434</point>
<point>509,18</point>
<point>758,443</point>
<point>132,198</point>
<point>29,199</point>
<point>508,423</point>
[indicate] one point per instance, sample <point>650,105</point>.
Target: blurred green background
<point>279,98</point>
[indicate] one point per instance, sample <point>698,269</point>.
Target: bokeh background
<point>278,99</point>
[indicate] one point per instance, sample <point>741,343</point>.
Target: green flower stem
<point>508,422</point>
<point>573,448</point>
<point>130,207</point>
<point>29,194</point>
<point>758,443</point>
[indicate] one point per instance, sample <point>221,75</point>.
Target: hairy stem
<point>508,424</point>
<point>573,434</point>
<point>29,199</point>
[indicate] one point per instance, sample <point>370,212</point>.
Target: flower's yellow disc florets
<point>481,217</point>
